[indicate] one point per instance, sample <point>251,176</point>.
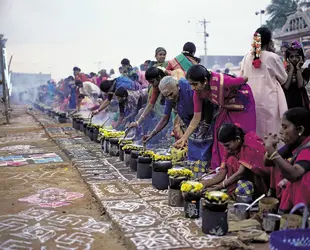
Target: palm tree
<point>279,10</point>
<point>305,4</point>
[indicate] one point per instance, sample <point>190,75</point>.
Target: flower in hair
<point>296,45</point>
<point>256,50</point>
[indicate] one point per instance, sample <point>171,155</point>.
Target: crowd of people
<point>253,129</point>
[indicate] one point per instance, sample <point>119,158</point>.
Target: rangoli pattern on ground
<point>52,197</point>
<point>50,230</point>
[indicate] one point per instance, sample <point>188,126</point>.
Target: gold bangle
<point>137,123</point>
<point>276,156</point>
<point>272,155</point>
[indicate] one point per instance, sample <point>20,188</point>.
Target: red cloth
<point>298,191</point>
<point>251,156</point>
<point>82,77</point>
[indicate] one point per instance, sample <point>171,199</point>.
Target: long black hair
<point>299,117</point>
<point>230,132</point>
<point>265,34</point>
<point>154,73</point>
<point>106,85</point>
<point>198,73</point>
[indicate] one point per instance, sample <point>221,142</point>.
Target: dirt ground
<point>58,210</point>
<point>58,191</point>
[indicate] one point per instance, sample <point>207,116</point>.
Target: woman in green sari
<point>185,60</point>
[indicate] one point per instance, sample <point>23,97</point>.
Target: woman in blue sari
<point>179,96</point>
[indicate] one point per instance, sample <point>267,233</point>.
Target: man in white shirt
<point>88,89</point>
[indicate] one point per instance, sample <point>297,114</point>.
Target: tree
<point>305,4</point>
<point>279,10</point>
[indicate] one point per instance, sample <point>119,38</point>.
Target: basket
<point>290,239</point>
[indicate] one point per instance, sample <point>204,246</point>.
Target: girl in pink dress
<point>233,97</point>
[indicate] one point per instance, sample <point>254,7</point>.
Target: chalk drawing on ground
<point>19,160</point>
<point>52,197</point>
<point>50,230</point>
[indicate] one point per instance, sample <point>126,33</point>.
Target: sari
<point>180,62</point>
<point>299,191</point>
<point>127,83</point>
<point>236,105</point>
<point>200,142</point>
<point>251,156</point>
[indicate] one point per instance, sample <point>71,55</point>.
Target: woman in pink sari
<point>243,160</point>
<point>291,164</point>
<point>234,98</point>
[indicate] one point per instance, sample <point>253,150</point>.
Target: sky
<point>53,36</point>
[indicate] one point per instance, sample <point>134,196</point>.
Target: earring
<point>300,134</point>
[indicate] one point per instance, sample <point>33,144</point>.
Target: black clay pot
<point>160,178</point>
<point>144,168</point>
<point>127,158</point>
<point>85,123</point>
<point>175,198</point>
<point>81,124</point>
<point>95,135</point>
<point>134,160</point>
<point>106,145</point>
<point>175,182</point>
<point>89,132</point>
<point>192,209</point>
<point>215,206</point>
<point>214,223</point>
<point>62,118</point>
<point>102,144</point>
<point>121,152</point>
<point>53,113</point>
<point>114,148</point>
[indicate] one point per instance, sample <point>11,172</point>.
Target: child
<point>294,87</point>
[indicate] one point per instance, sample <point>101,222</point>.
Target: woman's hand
<point>289,66</point>
<point>95,112</point>
<point>133,125</point>
<point>180,143</point>
<point>282,183</point>
<point>299,65</point>
<point>271,141</point>
<point>146,138</point>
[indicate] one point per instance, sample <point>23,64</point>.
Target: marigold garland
<point>180,172</point>
<point>132,147</point>
<point>157,157</point>
<point>147,153</point>
<point>256,50</point>
<point>216,196</point>
<point>191,186</point>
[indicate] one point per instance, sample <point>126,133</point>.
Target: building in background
<point>220,63</point>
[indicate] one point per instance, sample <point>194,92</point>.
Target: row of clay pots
<point>62,117</point>
<point>82,124</point>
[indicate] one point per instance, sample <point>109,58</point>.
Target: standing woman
<point>294,88</point>
<point>184,60</point>
<point>266,74</point>
<point>234,98</point>
<point>160,56</point>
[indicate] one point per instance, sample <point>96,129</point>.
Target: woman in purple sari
<point>234,98</point>
<point>179,97</point>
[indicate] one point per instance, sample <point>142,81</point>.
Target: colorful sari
<point>180,62</point>
<point>251,156</point>
<point>126,82</point>
<point>200,142</point>
<point>298,191</point>
<point>236,105</point>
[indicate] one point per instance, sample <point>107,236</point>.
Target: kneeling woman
<point>243,161</point>
<point>179,96</point>
<point>291,164</point>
